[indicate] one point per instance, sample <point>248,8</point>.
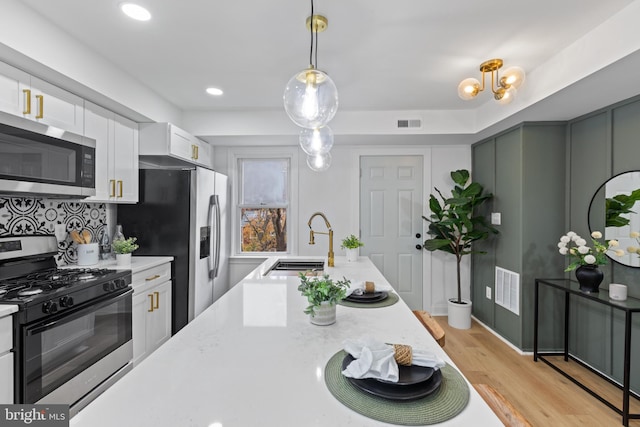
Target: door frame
<point>362,151</point>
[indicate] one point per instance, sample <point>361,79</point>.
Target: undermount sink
<point>288,267</point>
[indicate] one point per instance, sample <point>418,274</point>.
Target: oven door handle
<point>67,316</point>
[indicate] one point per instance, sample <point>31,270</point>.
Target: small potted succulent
<point>351,245</point>
<point>323,294</point>
<point>123,249</point>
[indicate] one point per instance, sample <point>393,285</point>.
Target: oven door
<point>65,357</point>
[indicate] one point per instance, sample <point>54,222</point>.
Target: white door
<point>391,206</point>
<point>203,284</point>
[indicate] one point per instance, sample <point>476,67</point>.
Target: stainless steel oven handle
<point>68,315</point>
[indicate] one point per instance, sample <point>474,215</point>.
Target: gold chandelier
<point>504,87</point>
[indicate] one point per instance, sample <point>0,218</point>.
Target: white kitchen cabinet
<point>116,155</point>
<point>151,310</point>
<point>32,98</point>
<point>6,360</point>
<point>166,144</point>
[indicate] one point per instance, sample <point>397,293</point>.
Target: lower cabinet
<point>151,310</point>
<point>6,360</point>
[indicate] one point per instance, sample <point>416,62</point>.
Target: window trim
<point>238,153</point>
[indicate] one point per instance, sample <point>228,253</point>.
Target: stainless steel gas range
<point>72,331</point>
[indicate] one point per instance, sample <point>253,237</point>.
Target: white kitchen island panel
<point>242,363</point>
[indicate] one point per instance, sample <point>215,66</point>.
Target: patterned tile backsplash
<point>25,215</point>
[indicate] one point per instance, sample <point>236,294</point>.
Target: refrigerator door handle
<point>214,259</point>
<point>218,233</point>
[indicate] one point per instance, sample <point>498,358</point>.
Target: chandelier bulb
<point>310,98</point>
<point>319,162</point>
<point>316,141</point>
<point>468,88</point>
<point>512,76</point>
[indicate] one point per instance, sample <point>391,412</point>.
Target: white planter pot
<point>352,254</point>
<point>123,260</point>
<point>325,314</point>
<point>459,314</point>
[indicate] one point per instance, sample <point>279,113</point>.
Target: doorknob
<point>418,235</point>
<point>418,247</point>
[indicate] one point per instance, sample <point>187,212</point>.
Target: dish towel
<point>359,288</point>
<point>375,359</point>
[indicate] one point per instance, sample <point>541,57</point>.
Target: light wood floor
<point>542,395</point>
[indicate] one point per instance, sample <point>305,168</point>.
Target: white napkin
<point>374,359</point>
<point>357,288</point>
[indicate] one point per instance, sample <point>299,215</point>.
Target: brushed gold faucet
<point>330,233</point>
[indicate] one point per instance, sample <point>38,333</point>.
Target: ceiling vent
<point>409,124</point>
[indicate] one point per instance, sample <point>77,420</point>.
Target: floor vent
<point>508,290</point>
<point>406,124</point>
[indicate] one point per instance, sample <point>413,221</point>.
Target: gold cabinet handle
<point>197,153</point>
<point>157,305</point>
<point>27,101</point>
<point>193,151</point>
<point>112,183</point>
<point>151,301</point>
<point>40,99</point>
<point>119,188</point>
<point>154,277</point>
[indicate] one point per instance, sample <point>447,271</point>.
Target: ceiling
<point>382,55</point>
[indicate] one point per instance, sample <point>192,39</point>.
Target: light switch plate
<point>488,292</point>
<point>496,218</point>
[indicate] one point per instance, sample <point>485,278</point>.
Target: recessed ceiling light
<point>135,11</point>
<point>214,91</point>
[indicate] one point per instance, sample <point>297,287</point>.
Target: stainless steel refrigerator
<point>183,213</point>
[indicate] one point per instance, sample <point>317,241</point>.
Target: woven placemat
<point>390,300</point>
<point>445,403</point>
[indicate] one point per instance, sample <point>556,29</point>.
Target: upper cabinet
<point>24,95</point>
<point>117,154</point>
<point>164,144</point>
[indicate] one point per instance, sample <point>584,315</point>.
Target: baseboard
<point>504,340</point>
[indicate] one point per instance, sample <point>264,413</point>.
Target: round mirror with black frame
<point>615,208</point>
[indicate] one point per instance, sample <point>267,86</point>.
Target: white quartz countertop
<point>138,263</point>
<point>6,310</point>
<point>254,359</point>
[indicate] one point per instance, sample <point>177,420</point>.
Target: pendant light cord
<point>311,31</point>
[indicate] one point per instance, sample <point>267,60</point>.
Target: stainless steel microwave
<point>39,160</point>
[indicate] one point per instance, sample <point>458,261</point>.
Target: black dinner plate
<point>407,375</point>
<point>392,391</point>
<point>368,297</point>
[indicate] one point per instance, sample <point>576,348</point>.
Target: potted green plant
<point>323,294</point>
<point>351,244</point>
<point>123,249</point>
<point>454,227</point>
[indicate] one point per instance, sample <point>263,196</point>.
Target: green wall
<point>544,176</point>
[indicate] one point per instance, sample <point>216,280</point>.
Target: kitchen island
<point>254,359</point>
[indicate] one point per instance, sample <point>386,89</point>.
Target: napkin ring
<point>403,354</point>
<point>369,287</point>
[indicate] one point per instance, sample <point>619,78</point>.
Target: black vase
<point>589,276</point>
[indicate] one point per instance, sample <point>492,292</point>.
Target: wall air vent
<point>508,290</point>
<point>407,124</point>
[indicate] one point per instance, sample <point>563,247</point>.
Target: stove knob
<point>109,286</point>
<point>120,283</point>
<point>66,301</point>
<point>49,307</point>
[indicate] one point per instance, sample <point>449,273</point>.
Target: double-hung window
<point>263,205</point>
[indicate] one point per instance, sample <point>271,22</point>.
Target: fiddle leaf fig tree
<point>453,224</point>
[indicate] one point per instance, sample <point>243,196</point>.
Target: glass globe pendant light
<point>319,162</point>
<point>317,140</point>
<point>311,97</point>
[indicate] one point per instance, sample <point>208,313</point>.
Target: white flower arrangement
<point>583,254</point>
<point>634,249</point>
